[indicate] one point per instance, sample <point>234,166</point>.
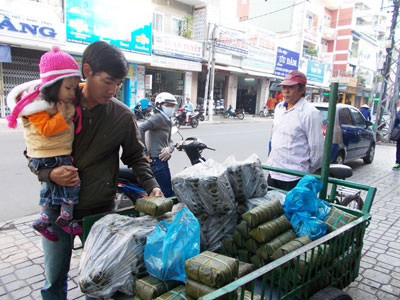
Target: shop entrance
<point>165,81</point>
<point>247,94</point>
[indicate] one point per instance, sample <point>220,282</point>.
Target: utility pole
<point>389,95</point>
<point>210,70</point>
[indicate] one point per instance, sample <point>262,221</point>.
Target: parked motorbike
<point>142,114</point>
<point>267,112</point>
<point>238,113</point>
<point>180,118</point>
<point>200,110</point>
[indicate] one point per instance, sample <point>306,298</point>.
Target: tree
<point>187,30</point>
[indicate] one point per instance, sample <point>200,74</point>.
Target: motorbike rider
<point>188,108</point>
<point>158,143</point>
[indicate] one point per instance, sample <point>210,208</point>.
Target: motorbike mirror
<point>174,130</point>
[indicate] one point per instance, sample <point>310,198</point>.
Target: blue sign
<point>5,53</point>
<point>128,28</point>
<point>315,71</point>
<point>286,61</point>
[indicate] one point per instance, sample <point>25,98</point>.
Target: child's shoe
<point>41,226</point>
<point>67,225</point>
<point>396,167</point>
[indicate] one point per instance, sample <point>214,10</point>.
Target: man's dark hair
<point>103,57</point>
<point>50,93</point>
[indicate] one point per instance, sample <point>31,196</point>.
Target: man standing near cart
<point>297,141</point>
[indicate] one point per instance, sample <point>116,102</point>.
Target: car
<point>353,137</point>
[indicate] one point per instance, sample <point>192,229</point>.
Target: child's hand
<point>61,108</point>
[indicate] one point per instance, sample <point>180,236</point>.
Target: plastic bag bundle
<point>149,287</point>
<point>268,230</point>
<point>246,177</point>
<point>112,258</point>
<point>270,195</point>
<point>170,244</point>
<point>154,206</point>
<point>212,269</point>
<point>215,229</point>
<point>205,187</point>
<point>263,213</point>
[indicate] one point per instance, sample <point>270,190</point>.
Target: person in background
<point>47,109</point>
<point>297,140</point>
<point>366,112</point>
<point>106,126</point>
<point>159,145</point>
<point>397,123</point>
<point>188,107</point>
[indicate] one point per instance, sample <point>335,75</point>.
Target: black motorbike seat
<point>340,171</point>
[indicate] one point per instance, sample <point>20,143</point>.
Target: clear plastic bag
<point>247,177</point>
<point>112,258</point>
<point>170,244</point>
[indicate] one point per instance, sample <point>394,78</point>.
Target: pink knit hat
<point>54,65</point>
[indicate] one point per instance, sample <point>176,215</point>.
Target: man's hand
<point>64,176</point>
<point>165,154</point>
<point>156,192</point>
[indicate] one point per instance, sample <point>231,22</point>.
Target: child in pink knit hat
<point>47,109</point>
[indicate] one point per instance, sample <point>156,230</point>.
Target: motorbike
<point>267,112</point>
<point>142,114</point>
<point>128,187</point>
<point>180,118</point>
<point>200,110</point>
<point>237,113</point>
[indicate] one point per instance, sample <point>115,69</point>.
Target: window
<point>359,120</point>
<point>309,20</point>
<point>158,21</point>
<point>345,117</point>
<point>177,26</point>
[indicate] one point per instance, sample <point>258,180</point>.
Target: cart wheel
<point>331,294</point>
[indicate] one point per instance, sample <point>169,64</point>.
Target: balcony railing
<point>328,33</point>
<point>194,2</point>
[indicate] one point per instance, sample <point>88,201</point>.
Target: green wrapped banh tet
<point>196,290</point>
<point>271,229</point>
<point>263,213</point>
<point>154,206</point>
<point>245,268</point>
<point>267,249</point>
<point>175,294</point>
<point>257,261</point>
<point>238,239</point>
<point>338,218</point>
<point>251,245</point>
<point>212,269</point>
<point>291,246</point>
<point>230,246</point>
<point>151,287</point>
<point>243,229</point>
<point>243,255</point>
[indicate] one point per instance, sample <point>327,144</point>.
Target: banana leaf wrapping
<point>246,177</point>
<point>205,188</point>
<point>269,196</point>
<point>212,269</point>
<point>238,239</point>
<point>214,229</point>
<point>112,258</point>
<point>150,287</point>
<point>243,229</point>
<point>258,261</point>
<point>267,249</point>
<point>243,255</point>
<point>291,246</point>
<point>154,206</point>
<point>337,218</point>
<point>271,229</point>
<point>175,294</point>
<point>196,289</point>
<point>230,247</point>
<point>251,245</point>
<point>263,213</point>
<point>245,268</point>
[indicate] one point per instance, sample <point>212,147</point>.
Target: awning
<point>261,74</point>
<point>230,69</point>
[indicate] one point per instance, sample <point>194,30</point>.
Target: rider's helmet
<point>165,98</point>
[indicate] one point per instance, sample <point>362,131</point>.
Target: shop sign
<point>177,47</point>
<point>232,42</point>
<point>178,64</point>
<point>14,23</point>
<point>286,61</point>
<point>128,28</point>
<point>315,71</point>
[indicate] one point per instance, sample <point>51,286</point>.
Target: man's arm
<point>315,140</point>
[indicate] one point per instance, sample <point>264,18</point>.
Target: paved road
<point>21,269</point>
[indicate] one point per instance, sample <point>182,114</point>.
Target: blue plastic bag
<point>305,224</point>
<point>169,245</point>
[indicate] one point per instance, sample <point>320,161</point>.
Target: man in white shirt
<point>297,141</point>
<point>188,107</point>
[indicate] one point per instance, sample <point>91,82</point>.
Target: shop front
<point>247,94</point>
